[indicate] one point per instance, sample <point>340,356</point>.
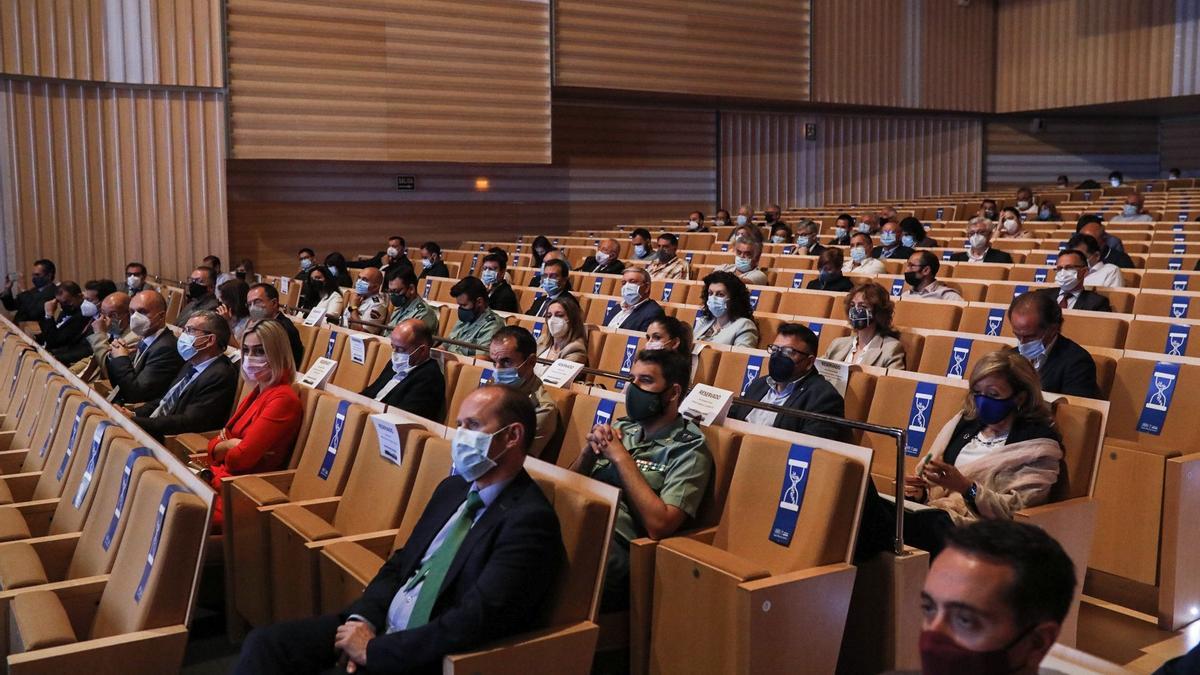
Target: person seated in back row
<point>366,302</point>
<point>501,296</point>
<point>668,265</point>
<point>658,458</point>
<point>792,381</point>
<point>263,300</point>
<point>431,261</point>
<point>556,283</point>
<point>1064,367</point>
<point>747,254</point>
<point>872,340</point>
<point>476,320</point>
<point>921,275</point>
<point>1099,273</point>
<point>480,565</point>
<point>891,246</point>
<point>807,242</point>
<point>636,309</point>
<point>513,351</point>
<point>726,317</point>
<point>407,303</point>
<point>829,273</point>
<point>1069,271</point>
<point>979,244</point>
<point>607,259</point>
<point>412,380</point>
<point>860,261</point>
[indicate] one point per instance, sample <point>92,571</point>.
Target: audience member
<point>914,234</point>
<point>747,254</point>
<point>781,233</point>
<point>807,242</point>
<point>202,394</point>
<point>135,279</point>
<point>606,260</point>
<point>979,244</point>
<point>726,317</point>
<point>407,303</point>
<point>476,320</point>
<point>200,294</point>
<point>1064,366</point>
<point>1026,206</point>
<point>413,613</point>
<point>501,295</point>
<point>30,304</point>
<point>999,455</point>
<point>636,310</point>
<point>234,308</point>
<point>1010,225</point>
<point>564,336</point>
<point>110,326</point>
<point>1116,179</point>
<point>411,380</point>
<point>63,321</point>
<point>667,332</point>
<point>1062,181</point>
<point>872,340</point>
<point>1134,211</point>
<point>988,209</point>
<point>395,260</point>
<point>308,260</point>
<point>1112,250</point>
<point>721,219</point>
<point>696,222</point>
<point>218,277</point>
<point>555,283</point>
<point>921,275</point>
<point>1173,174</point>
<point>145,371</point>
<point>668,265</point>
<point>431,261</point>
<point>336,264</point>
<point>541,246</point>
<point>245,271</point>
<point>263,300</point>
<point>887,214</point>
<point>1069,271</point>
<point>321,293</point>
<point>658,458</point>
<point>842,229</point>
<point>748,232</point>
<point>745,215</point>
<point>1048,212</point>
<point>513,351</point>
<point>860,260</point>
<point>793,382</point>
<point>262,431</point>
<point>771,215</point>
<point>643,252</point>
<point>890,244</point>
<point>829,273</point>
<point>366,302</point>
<point>1099,273</point>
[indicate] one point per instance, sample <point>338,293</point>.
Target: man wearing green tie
<point>479,565</point>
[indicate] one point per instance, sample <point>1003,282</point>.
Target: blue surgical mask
<point>839,232</point>
<point>362,287</point>
<point>991,410</point>
<point>469,453</point>
<point>550,286</point>
<point>1044,214</point>
<point>742,220</point>
<point>742,265</point>
<point>306,264</point>
<point>639,250</point>
<point>907,241</point>
<point>400,363</point>
<point>778,239</point>
<point>426,263</point>
<point>1032,350</point>
<point>802,241</point>
<point>1130,210</point>
<point>509,377</point>
<point>858,254</point>
<point>865,228</point>
<point>489,276</point>
<point>887,238</point>
<point>186,346</point>
<point>717,306</point>
<point>333,270</point>
<point>631,293</point>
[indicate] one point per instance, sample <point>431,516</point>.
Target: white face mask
<point>1022,204</point>
<point>1115,182</point>
<point>400,363</point>
<point>601,257</point>
<point>654,344</point>
<point>468,452</point>
<point>393,252</point>
<point>1010,226</point>
<point>693,225</point>
<point>557,326</point>
<point>631,293</point>
<point>1066,278</point>
<point>977,240</point>
<point>140,324</point>
<point>89,309</point>
<point>133,281</point>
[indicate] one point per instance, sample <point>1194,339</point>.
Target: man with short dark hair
<point>1112,249</point>
<point>94,293</point>
<point>201,397</point>
<point>642,251</point>
<point>263,300</point>
<point>920,274</point>
<point>555,283</point>
<point>1099,273</point>
<point>501,296</point>
<point>411,381</point>
<point>987,209</point>
<point>994,600</point>
<point>1064,366</point>
<point>30,304</point>
<point>200,294</point>
<point>431,261</point>
<point>792,381</point>
<point>135,279</point>
<point>480,565</point>
<point>308,260</point>
<point>607,259</point>
<point>653,440</point>
<point>143,371</point>
<point>696,222</point>
<point>890,246</point>
<point>63,322</point>
<point>513,350</point>
<point>407,303</point>
<point>1069,272</point>
<point>668,265</point>
<point>771,215</point>
<point>476,320</point>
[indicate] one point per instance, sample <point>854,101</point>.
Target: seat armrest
<point>55,552</point>
<point>356,559</point>
<point>568,647</point>
<point>323,507</point>
<point>21,485</point>
<point>158,650</point>
<point>11,460</point>
<point>6,439</point>
<point>719,560</point>
<point>259,489</point>
<point>281,480</point>
<point>304,523</point>
<point>705,536</point>
<point>37,620</point>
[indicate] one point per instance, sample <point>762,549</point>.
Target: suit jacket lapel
<point>420,539</point>
<point>491,517</point>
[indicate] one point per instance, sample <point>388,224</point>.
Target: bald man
<point>110,325</point>
<point>144,370</point>
<point>366,302</point>
<point>607,259</point>
<point>411,380</point>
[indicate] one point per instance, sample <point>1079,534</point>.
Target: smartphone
<point>13,276</point>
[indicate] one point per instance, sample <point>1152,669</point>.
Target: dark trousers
<point>291,648</point>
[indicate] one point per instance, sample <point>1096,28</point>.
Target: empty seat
<point>934,314</point>
<point>1164,336</point>
<point>955,356</point>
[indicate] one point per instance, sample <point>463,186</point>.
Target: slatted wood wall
<point>753,49</point>
<point>390,80</point>
<point>1180,144</point>
<point>1019,152</point>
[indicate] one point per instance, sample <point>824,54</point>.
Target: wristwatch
<point>970,494</point>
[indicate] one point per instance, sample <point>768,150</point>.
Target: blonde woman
<point>564,335</point>
<point>872,340</point>
<point>260,434</point>
<point>999,455</point>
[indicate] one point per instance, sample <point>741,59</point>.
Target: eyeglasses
<point>196,331</point>
<point>787,351</point>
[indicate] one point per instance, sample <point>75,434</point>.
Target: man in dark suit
<point>201,396</point>
<point>501,296</point>
<point>1111,250</point>
<point>431,261</point>
<point>62,321</point>
<point>979,244</point>
<point>806,238</point>
<point>411,380</point>
<point>555,283</point>
<point>636,310</point>
<point>30,304</point>
<point>480,564</point>
<point>144,372</point>
<point>1064,366</point>
<point>891,248</point>
<point>201,294</point>
<point>607,259</point>
<point>263,300</point>
<point>793,382</point>
<point>1069,273</point>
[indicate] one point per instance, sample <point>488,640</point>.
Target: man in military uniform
<point>407,303</point>
<point>657,457</point>
<point>514,353</point>
<point>366,302</point>
<point>476,321</point>
<point>668,265</point>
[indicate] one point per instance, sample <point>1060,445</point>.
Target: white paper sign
<point>233,354</point>
<point>390,447</point>
<point>284,284</point>
<point>837,372</point>
<point>319,372</point>
<point>358,349</point>
<point>315,316</point>
<point>561,373</point>
<point>706,405</point>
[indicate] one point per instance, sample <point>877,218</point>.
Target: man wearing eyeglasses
<point>1070,270</point>
<point>793,382</point>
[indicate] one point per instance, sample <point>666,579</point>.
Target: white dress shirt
<point>1104,274</point>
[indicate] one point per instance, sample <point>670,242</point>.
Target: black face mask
<point>240,275</point>
<point>642,405</point>
<point>912,279</point>
<point>398,299</point>
<point>781,368</point>
<point>771,217</point>
<point>39,281</point>
<point>196,290</point>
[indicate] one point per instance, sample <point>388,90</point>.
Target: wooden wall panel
<point>957,55</point>
<point>390,80</point>
<point>612,165</point>
<point>857,51</point>
<point>97,176</point>
<point>879,158</point>
<point>167,42</point>
<point>1079,147</point>
<point>766,160</point>
<point>1180,142</point>
<point>1185,73</point>
<point>752,49</point>
<point>1061,53</point>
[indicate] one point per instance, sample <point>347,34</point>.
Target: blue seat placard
<point>1180,282</point>
<point>122,493</point>
<point>1177,340</point>
<point>1179,306</point>
<point>627,360</point>
<point>604,412</point>
<point>753,368</point>
<point>897,287</point>
<point>428,287</point>
<point>610,310</point>
<point>1159,393</point>
<point>919,413</point>
<point>537,330</point>
<point>816,328</point>
<point>960,353</point>
<point>791,494</point>
<point>486,377</point>
<point>1052,259</point>
<point>335,439</point>
<point>1175,264</point>
<point>668,288</point>
<point>329,347</point>
<point>155,539</point>
<point>798,280</point>
<point>597,284</point>
<point>754,295</point>
<point>995,321</point>
<point>1019,290</point>
<point>1039,275</point>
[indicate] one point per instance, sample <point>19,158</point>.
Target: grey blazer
<point>884,352</point>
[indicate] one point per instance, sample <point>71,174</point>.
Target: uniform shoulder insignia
<point>686,435</point>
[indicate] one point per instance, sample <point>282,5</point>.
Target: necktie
<point>433,572</point>
<point>172,397</point>
<point>1064,300</point>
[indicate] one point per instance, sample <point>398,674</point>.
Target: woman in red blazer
<point>260,434</point>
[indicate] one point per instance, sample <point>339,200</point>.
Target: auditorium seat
<point>174,297</point>
<point>351,373</point>
<point>1003,292</point>
<point>1163,336</point>
<point>322,470</point>
<point>895,404</point>
<point>467,378</point>
<point>981,271</point>
<point>75,432</point>
<point>932,314</point>
<point>587,410</point>
<point>14,444</point>
<point>810,303</point>
<point>1174,304</point>
<point>954,355</point>
<point>376,494</point>
<point>722,597</point>
<point>617,355</point>
<point>1121,299</point>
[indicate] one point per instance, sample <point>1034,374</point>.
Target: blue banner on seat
<point>1158,398</point>
<point>960,353</point>
<point>610,310</point>
<point>897,287</point>
<point>1179,306</point>
<point>1178,249</point>
<point>1177,340</point>
<point>1183,216</point>
<point>329,347</point>
<point>597,284</point>
<point>788,250</point>
<point>97,441</point>
<point>537,330</point>
<point>919,413</point>
<point>725,248</point>
<point>687,257</point>
<point>1052,259</point>
<point>1179,236</point>
<point>90,470</point>
<point>995,322</point>
<point>754,295</point>
<point>816,328</point>
<point>1175,264</point>
<point>1039,275</point>
<point>486,376</point>
<point>798,280</point>
<point>1180,282</point>
<point>474,259</point>
<point>946,255</point>
<point>604,412</point>
<point>122,493</point>
<point>335,439</point>
<point>938,213</point>
<point>631,344</point>
<point>12,389</point>
<point>1019,290</point>
<point>666,292</point>
<point>753,368</point>
<point>37,418</point>
<point>74,437</point>
<point>791,494</point>
<point>155,539</point>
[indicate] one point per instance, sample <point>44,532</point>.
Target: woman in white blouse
<point>321,292</point>
<point>872,340</point>
<point>726,317</point>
